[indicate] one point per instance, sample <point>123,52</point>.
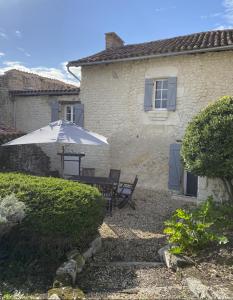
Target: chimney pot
<point>112,40</point>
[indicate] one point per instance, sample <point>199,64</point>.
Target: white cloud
<point>227,15</point>
<point>59,73</point>
<point>2,54</point>
<point>213,15</point>
<point>18,34</point>
<point>3,35</point>
<point>159,9</point>
<point>24,51</point>
<point>222,27</point>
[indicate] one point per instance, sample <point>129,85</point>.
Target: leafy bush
<point>207,147</point>
<point>190,231</point>
<point>59,212</point>
<point>11,209</point>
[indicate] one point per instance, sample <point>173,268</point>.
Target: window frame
<point>154,94</point>
<point>72,116</point>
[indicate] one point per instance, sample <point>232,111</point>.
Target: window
<point>69,113</point>
<point>161,93</point>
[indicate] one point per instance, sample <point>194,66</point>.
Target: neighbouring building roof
<point>8,130</point>
<point>20,80</point>
<point>50,92</point>
<point>198,42</point>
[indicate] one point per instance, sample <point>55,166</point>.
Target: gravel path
<point>128,266</point>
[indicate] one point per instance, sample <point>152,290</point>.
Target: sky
<point>41,36</point>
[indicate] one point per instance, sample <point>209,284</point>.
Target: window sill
<point>158,115</point>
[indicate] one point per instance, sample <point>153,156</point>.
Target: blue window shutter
<point>55,111</point>
<point>149,83</point>
<point>172,90</point>
<point>79,114</point>
<point>175,168</point>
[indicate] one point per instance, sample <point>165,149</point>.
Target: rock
<point>66,273</point>
<point>96,244</point>
<point>88,254</point>
<point>72,253</point>
<point>202,291</point>
<point>80,262</point>
<point>173,261</point>
<point>54,297</point>
<point>66,293</point>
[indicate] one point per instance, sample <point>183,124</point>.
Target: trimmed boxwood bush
<point>207,147</point>
<point>59,216</point>
<point>58,211</point>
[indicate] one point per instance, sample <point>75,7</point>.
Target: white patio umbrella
<point>61,132</point>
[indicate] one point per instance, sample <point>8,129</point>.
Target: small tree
<point>207,148</point>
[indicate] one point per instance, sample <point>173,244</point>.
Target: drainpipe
<point>68,69</point>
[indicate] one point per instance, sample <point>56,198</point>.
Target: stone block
<point>66,273</point>
<point>66,293</point>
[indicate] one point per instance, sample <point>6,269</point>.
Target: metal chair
<point>115,174</point>
<point>88,171</point>
<point>125,193</point>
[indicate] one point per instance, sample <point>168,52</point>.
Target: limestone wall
<point>113,96</point>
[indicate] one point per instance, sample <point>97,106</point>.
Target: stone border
<point>67,272</point>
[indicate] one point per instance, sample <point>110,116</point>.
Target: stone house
<point>29,101</point>
<point>142,97</point>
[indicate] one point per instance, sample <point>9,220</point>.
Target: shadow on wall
<point>25,158</point>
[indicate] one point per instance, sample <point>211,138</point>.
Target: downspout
<point>68,69</point>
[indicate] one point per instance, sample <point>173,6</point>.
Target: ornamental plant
<point>11,209</point>
<point>207,148</point>
<point>191,231</point>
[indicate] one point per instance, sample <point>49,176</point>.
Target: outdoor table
<point>104,184</point>
<point>95,180</point>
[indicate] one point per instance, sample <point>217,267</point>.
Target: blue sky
<point>42,35</point>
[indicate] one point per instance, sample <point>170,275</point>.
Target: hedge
<point>56,209</point>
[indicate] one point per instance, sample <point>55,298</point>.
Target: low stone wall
<point>66,274</point>
<point>26,158</point>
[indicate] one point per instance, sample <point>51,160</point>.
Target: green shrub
<point>58,211</point>
<point>190,231</point>
<point>207,146</point>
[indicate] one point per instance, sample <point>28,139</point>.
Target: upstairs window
<point>161,94</point>
<point>69,113</point>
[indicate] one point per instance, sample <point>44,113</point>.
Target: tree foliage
<point>207,148</point>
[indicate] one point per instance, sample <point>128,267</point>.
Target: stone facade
<point>113,96</point>
<point>28,113</point>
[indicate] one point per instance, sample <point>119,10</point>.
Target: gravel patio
<point>128,265</point>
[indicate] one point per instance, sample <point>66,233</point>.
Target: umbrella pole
<point>62,160</point>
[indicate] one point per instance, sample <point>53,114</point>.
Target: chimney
<point>112,40</point>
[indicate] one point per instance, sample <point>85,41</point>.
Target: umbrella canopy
<point>62,132</point>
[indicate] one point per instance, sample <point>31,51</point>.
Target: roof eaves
<point>107,61</point>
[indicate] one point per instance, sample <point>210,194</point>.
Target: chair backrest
<point>135,183</point>
<point>88,171</point>
<point>115,174</point>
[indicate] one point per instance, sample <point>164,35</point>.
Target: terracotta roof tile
<point>57,92</point>
<point>203,41</point>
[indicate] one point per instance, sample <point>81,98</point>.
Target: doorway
<point>191,185</point>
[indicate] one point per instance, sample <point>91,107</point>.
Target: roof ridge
<point>177,37</point>
<point>212,40</point>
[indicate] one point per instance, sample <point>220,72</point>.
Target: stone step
<point>117,277</point>
<point>128,264</point>
<point>163,292</point>
<point>130,250</point>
